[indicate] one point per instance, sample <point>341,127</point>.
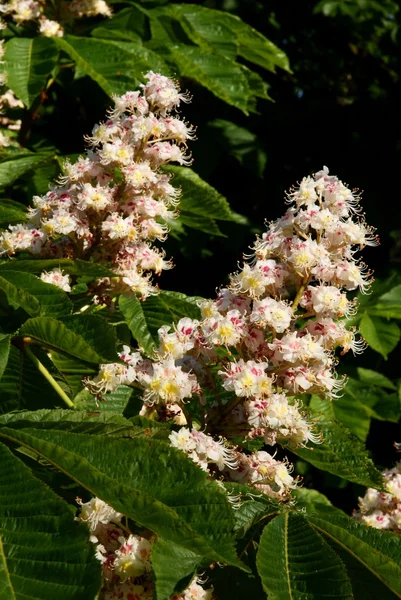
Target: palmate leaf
<point>295,562</point>
<point>226,34</point>
<point>145,318</point>
<point>223,77</point>
<point>29,64</point>
<point>116,66</point>
<point>381,335</point>
<point>147,480</point>
<point>341,454</point>
<point>86,337</point>
<point>44,554</point>
<point>372,557</point>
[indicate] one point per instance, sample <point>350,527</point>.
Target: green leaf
<point>382,336</point>
<point>116,66</point>
<point>198,197</point>
<point>72,267</point>
<point>389,304</point>
<point>347,409</point>
<point>378,403</point>
<point>145,318</point>
<point>172,566</point>
<point>22,386</point>
<point>341,454</point>
<point>372,557</point>
<point>226,34</point>
<point>19,298</point>
<point>252,508</point>
<point>89,338</point>
<point>375,378</point>
<point>4,352</point>
<point>218,74</point>
<point>74,371</point>
<point>115,402</point>
<point>11,212</point>
<point>44,554</point>
<point>29,64</point>
<point>34,295</point>
<point>147,480</point>
<point>295,563</point>
<point>13,168</point>
<point>130,20</point>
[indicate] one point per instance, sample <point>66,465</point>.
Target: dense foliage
<point>156,443</point>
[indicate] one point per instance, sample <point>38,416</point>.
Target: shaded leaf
<point>218,74</point>
<point>382,336</point>
<point>172,565</point>
<point>34,295</point>
<point>375,378</point>
<point>11,212</point>
<point>372,557</point>
<point>13,168</point>
<point>44,554</point>
<point>4,352</point>
<point>341,454</point>
<point>295,563</point>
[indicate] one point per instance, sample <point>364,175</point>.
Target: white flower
<point>96,511</point>
<point>275,314</point>
<point>132,559</point>
<point>56,277</point>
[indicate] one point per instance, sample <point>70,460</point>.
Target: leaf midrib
<point>6,571</point>
<point>323,532</point>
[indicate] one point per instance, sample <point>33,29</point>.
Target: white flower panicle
<point>39,11</point>
<point>114,202</point>
<point>382,510</point>
<point>267,338</point>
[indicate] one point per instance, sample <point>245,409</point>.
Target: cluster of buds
<point>270,336</point>
<point>125,557</point>
<point>380,509</point>
<point>114,202</point>
<point>39,11</point>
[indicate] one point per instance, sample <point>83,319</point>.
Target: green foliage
<point>295,562</point>
<point>341,454</point>
<point>30,63</point>
<point>34,537</point>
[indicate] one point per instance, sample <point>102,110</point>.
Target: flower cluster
<point>380,509</point>
<point>39,11</point>
<point>125,557</point>
<point>269,336</point>
<point>115,202</point>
